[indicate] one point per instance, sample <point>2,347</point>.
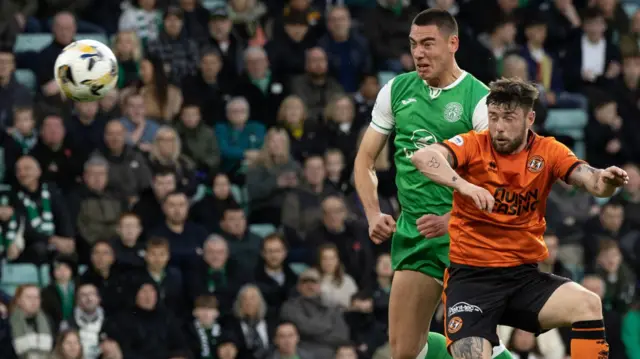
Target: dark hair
<point>274,237</point>
<point>591,13</point>
<point>157,242</point>
<point>535,18</point>
<point>606,244</point>
<point>614,202</point>
<point>160,81</point>
<point>206,301</point>
<point>512,93</point>
<point>174,193</point>
<point>164,173</point>
<point>338,276</point>
<point>503,20</point>
<point>442,19</point>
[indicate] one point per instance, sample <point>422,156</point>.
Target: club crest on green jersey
<point>453,111</point>
<point>420,138</point>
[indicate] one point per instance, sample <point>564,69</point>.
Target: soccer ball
<point>86,70</point>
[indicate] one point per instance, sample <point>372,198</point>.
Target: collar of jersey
<point>451,85</point>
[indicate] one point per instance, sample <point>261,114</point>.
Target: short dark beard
<point>513,144</point>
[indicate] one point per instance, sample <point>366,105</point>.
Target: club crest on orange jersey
<point>455,324</point>
<point>535,164</point>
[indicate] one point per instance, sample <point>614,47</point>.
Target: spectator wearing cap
<point>347,50</point>
<point>173,48</point>
<point>149,207</point>
<point>316,87</point>
<point>262,86</point>
<point>199,142</point>
<point>143,17</point>
<point>204,332</point>
<point>389,43</point>
<point>208,211</point>
<point>184,236</point>
<point>322,329</point>
<point>95,208</point>
<point>229,45</point>
<point>58,298</point>
<point>248,17</point>
<point>289,43</point>
<point>286,342</point>
<point>148,329</point>
<point>311,10</point>
<point>273,276</point>
<point>243,244</point>
<point>196,17</point>
<point>207,90</point>
<point>12,93</point>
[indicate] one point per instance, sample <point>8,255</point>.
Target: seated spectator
<point>142,17</point>
<point>166,156</point>
<point>58,161</point>
<point>184,236</point>
<point>129,173</point>
<point>348,51</point>
<point>604,134</point>
<point>227,43</point>
<point>227,349</point>
<point>12,224</point>
<point>630,196</point>
<point>564,23</point>
<point>631,332</point>
<point>89,320</point>
<point>316,86</point>
<point>365,97</point>
<point>250,323</point>
<point>168,280</point>
<point>85,129</point>
<point>304,135</point>
<point>58,298</point>
<point>289,42</point>
<point>108,279</point>
<point>583,65</point>
<point>617,20</point>
<point>248,17</point>
<point>149,207</point>
<point>382,288</point>
<point>141,131</point>
<point>620,282</point>
<point>350,238</point>
<point>286,342</point>
<point>199,141</point>
<point>389,43</point>
<point>206,89</point>
<point>204,331</point>
<point>566,214</point>
<point>24,129</point>
<point>68,346</point>
<point>522,344</point>
<point>217,274</point>
<point>322,328</point>
<point>17,95</point>
<point>128,51</point>
<point>95,208</point>
<point>367,334</point>
<point>627,93</point>
<point>609,224</point>
<point>499,42</point>
<point>242,242</point>
<point>128,244</point>
<point>48,225</point>
<point>274,277</point>
<point>148,330</point>
<point>273,176</point>
<point>174,50</point>
<point>240,138</point>
<point>336,170</point>
<point>162,100</point>
<point>343,126</point>
<point>262,86</point>
<point>347,351</point>
<point>12,151</point>
<point>336,286</point>
<point>110,105</point>
<point>301,208</point>
<point>28,320</point>
<point>552,264</point>
<point>208,211</point>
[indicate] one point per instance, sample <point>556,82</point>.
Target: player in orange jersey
<point>501,179</point>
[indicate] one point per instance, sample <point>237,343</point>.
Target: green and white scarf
<point>9,230</point>
<point>41,219</point>
<point>208,339</point>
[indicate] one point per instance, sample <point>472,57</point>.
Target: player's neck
<point>449,76</point>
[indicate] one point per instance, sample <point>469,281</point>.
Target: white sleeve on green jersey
<point>382,119</point>
<point>480,119</point>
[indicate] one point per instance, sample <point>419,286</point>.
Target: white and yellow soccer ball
<point>86,70</point>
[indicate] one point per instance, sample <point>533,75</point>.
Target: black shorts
<point>478,299</point>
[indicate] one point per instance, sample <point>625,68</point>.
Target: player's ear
<point>454,43</point>
<point>531,118</point>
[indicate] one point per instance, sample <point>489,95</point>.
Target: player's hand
<point>432,226</point>
<point>480,196</point>
<point>613,176</point>
<point>381,227</point>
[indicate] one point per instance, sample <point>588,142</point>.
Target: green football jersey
<point>421,115</point>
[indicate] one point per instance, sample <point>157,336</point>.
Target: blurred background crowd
<point>206,208</point>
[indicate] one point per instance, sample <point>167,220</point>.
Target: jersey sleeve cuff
<point>454,165</point>
<point>378,128</point>
<point>571,169</point>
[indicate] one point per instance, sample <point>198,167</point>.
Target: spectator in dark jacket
<point>619,279</point>
<point>198,141</point>
<point>8,158</point>
<point>603,135</point>
<point>149,207</point>
<point>347,51</point>
<point>563,21</point>
<point>64,31</point>
<point>85,130</point>
<point>243,245</point>
<point>609,224</point>
<point>227,43</point>
<point>12,93</point>
<point>208,211</point>
<point>58,298</point>
<point>367,334</point>
<point>207,90</point>
<point>204,332</point>
<point>128,245</point>
<point>290,42</point>
<point>273,276</point>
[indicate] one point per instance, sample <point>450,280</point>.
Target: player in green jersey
<point>434,103</point>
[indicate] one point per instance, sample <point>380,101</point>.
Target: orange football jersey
<point>512,233</point>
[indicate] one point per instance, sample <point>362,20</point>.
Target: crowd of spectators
<point>146,207</point>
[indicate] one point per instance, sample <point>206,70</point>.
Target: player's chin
<point>425,72</point>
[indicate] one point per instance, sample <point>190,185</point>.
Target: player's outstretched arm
<point>598,182</point>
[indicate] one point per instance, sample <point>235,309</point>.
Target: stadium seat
<point>385,76</point>
<point>45,275</point>
<point>630,8</point>
<point>31,42</point>
<point>262,230</point>
<point>298,268</point>
<point>568,122</point>
<point>17,274</point>
<point>27,78</point>
<point>212,4</point>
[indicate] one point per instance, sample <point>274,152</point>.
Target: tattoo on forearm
<point>584,168</point>
<point>468,348</point>
<point>433,163</point>
<point>454,179</point>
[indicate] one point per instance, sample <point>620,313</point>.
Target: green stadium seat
<point>385,76</point>
<point>262,230</point>
<point>27,78</point>
<point>212,4</point>
<point>31,42</point>
<point>45,275</point>
<point>298,268</point>
<point>82,269</point>
<point>568,122</point>
<point>17,274</point>
<point>630,8</point>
